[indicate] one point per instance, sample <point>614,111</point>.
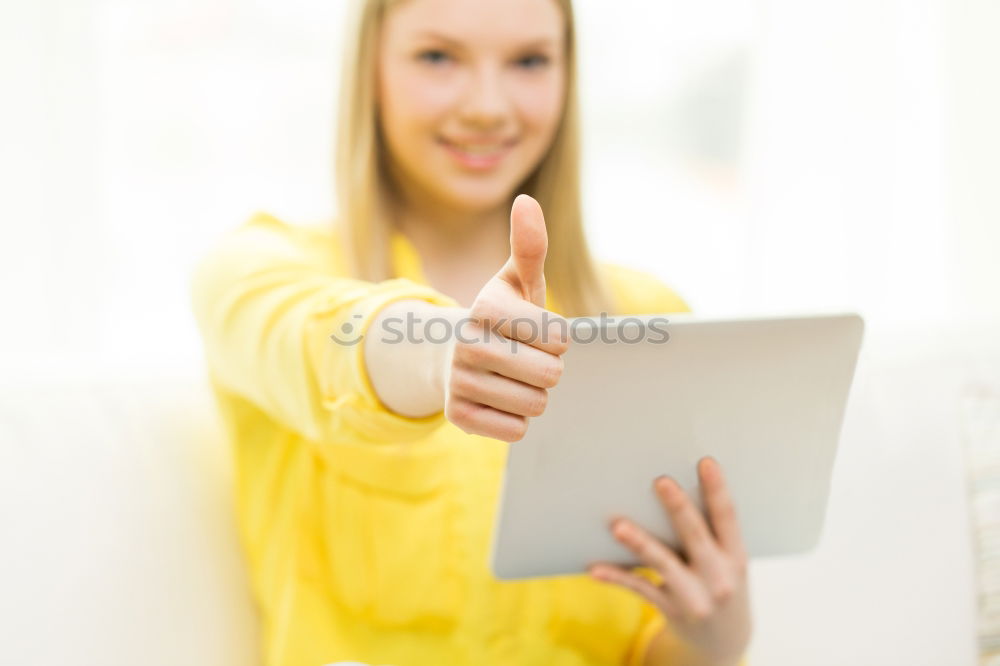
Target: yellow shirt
<point>367,533</point>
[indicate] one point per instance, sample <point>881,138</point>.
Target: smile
<point>478,156</point>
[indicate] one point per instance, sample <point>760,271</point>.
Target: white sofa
<point>119,546</point>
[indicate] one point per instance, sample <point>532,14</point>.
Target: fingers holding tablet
<point>705,595</point>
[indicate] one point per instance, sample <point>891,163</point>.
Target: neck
<point>459,250</point>
<point>451,232</point>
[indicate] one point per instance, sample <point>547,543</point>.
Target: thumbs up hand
<point>508,353</point>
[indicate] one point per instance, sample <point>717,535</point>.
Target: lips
<point>477,155</point>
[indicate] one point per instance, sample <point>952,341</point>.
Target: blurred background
<point>761,156</point>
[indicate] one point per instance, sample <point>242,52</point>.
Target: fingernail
<point>709,466</point>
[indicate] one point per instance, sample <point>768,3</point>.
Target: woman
<point>368,467</point>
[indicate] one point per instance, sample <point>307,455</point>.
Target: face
<point>469,96</point>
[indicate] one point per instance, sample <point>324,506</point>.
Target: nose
<point>486,104</point>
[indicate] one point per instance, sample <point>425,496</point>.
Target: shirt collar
<point>405,260</point>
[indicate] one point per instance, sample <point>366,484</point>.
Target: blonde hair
<point>361,175</point>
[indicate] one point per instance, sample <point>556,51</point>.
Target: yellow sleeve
<point>651,623</point>
<point>266,303</point>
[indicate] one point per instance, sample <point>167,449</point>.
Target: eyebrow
<point>534,43</point>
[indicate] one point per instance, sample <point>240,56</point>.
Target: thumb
<point>528,245</point>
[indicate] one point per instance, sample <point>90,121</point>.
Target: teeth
<point>478,149</point>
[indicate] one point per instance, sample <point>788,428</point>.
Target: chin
<point>479,197</point>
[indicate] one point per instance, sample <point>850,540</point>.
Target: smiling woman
<point>467,112</point>
<point>369,467</point>
<point>432,94</point>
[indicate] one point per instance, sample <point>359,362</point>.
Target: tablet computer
<point>651,395</point>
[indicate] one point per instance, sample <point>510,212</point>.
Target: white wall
<point>770,155</point>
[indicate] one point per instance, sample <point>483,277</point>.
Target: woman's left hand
<point>704,596</point>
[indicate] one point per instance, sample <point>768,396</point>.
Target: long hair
<point>362,178</point>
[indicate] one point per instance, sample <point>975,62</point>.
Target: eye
<point>434,56</point>
<point>532,61</point>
